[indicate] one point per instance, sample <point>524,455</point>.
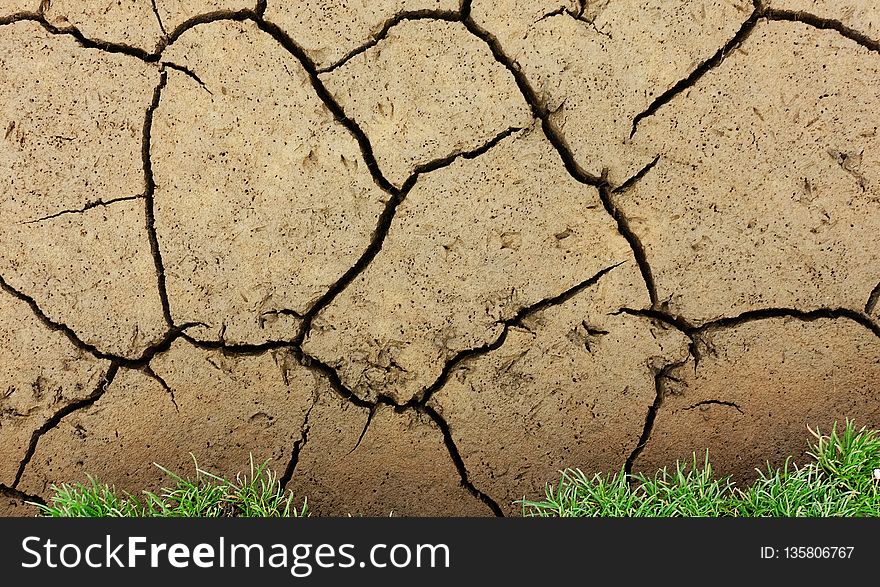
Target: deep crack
<point>134,363</point>
<point>332,377</point>
<point>561,146</point>
<point>635,243</point>
<point>632,181</point>
<point>538,109</point>
<point>760,12</point>
<point>690,329</point>
<point>687,82</point>
<point>332,105</point>
<point>149,199</point>
<point>670,321</point>
<point>132,51</point>
<point>805,316</point>
<point>659,376</point>
<point>458,461</point>
<point>80,38</point>
<point>243,349</point>
<point>51,324</point>
<point>824,24</point>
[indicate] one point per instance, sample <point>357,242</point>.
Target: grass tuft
<point>257,495</point>
<point>841,479</point>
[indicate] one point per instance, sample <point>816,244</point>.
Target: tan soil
<point>222,407</point>
<point>14,507</point>
<point>423,255</point>
<point>457,264</point>
<point>330,31</point>
<point>390,464</point>
<point>42,373</point>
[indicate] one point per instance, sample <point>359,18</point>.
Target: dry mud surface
<point>423,254</point>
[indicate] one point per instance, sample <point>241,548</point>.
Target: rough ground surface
<point>423,254</point>
<point>740,399</point>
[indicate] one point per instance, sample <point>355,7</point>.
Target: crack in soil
<point>242,349</point>
<point>51,324</point>
<point>87,207</point>
<point>20,495</point>
<point>444,15</point>
<point>805,316</point>
<point>186,71</point>
<point>752,315</point>
<point>363,433</point>
<point>696,332</point>
<point>121,48</point>
<point>455,455</point>
<point>134,363</point>
<point>419,404</point>
<point>515,320</point>
<point>873,300</point>
<point>632,181</point>
<point>148,198</point>
<point>332,105</point>
<point>824,24</point>
<point>298,445</point>
<point>577,15</point>
<point>539,111</point>
<point>56,418</point>
<point>149,372</point>
<point>715,402</point>
<point>159,18</point>
<point>760,12</point>
<point>659,376</point>
<point>556,139</point>
<point>687,82</point>
<point>635,243</point>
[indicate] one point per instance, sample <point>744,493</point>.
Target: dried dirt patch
<point>423,254</point>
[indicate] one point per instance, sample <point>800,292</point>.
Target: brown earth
<point>423,255</point>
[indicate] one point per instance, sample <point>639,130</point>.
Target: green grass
<point>257,494</point>
<point>840,479</point>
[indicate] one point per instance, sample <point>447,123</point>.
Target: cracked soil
<point>423,254</point>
